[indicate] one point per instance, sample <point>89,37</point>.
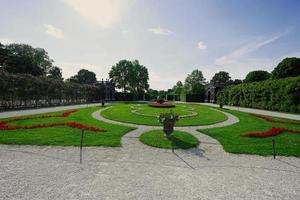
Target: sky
<point>170,37</point>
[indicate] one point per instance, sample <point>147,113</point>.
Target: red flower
<point>271,132</point>
<point>4,126</point>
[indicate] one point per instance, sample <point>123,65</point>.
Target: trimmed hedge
<point>279,95</point>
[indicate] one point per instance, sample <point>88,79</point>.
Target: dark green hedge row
<point>279,95</point>
<point>24,90</point>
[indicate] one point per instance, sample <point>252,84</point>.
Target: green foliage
<point>178,88</point>
<point>156,138</point>
<point>256,76</point>
<point>84,77</point>
<point>194,83</point>
<point>23,87</point>
<point>55,73</point>
<point>280,95</point>
<point>288,67</point>
<point>130,76</point>
<point>24,59</point>
<point>221,79</point>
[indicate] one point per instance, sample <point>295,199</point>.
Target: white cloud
<point>160,31</point>
<point>54,32</point>
<point>6,41</point>
<point>201,45</point>
<point>234,56</point>
<point>104,13</point>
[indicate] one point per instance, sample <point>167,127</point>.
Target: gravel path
<point>16,113</point>
<point>137,171</point>
<point>258,111</point>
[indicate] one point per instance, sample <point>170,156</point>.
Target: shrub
<point>279,95</point>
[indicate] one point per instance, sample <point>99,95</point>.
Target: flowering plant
<point>168,116</point>
<point>271,132</point>
<point>268,119</point>
<point>4,124</point>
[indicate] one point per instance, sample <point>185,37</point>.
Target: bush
<point>279,95</point>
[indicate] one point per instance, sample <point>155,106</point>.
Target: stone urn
<point>168,120</point>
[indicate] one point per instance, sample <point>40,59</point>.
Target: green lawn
<point>287,144</point>
<point>65,136</point>
<point>123,113</point>
<point>156,138</point>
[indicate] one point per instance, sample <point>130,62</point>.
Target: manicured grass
<point>156,138</point>
<point>123,113</point>
<point>65,136</point>
<point>287,144</point>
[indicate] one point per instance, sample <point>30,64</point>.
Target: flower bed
<point>161,104</point>
<point>275,121</point>
<point>271,132</point>
<point>4,126</point>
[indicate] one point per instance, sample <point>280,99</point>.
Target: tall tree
<point>84,76</point>
<point>221,79</point>
<point>25,59</point>
<point>288,67</point>
<point>130,76</point>
<point>194,82</point>
<point>256,76</point>
<point>178,88</point>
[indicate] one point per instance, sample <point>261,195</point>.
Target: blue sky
<point>170,37</point>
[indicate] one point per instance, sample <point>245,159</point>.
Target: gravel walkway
<point>137,171</point>
<point>258,111</point>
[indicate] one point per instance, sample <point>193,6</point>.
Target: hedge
<point>27,91</point>
<point>278,95</point>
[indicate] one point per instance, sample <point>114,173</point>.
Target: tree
<point>221,79</point>
<point>178,88</point>
<point>55,73</point>
<point>130,76</point>
<point>84,76</point>
<point>237,82</point>
<point>4,55</point>
<point>288,67</point>
<point>25,59</point>
<point>256,76</point>
<point>194,83</point>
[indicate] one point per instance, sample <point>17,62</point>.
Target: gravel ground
<point>137,171</point>
<point>32,172</point>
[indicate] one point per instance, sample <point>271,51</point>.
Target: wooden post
<point>273,145</point>
<point>81,141</point>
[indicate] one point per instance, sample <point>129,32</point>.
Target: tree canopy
<point>24,59</point>
<point>256,76</point>
<point>288,67</point>
<point>194,83</point>
<point>178,88</point>
<point>221,79</point>
<point>55,73</point>
<point>130,76</point>
<point>84,76</point>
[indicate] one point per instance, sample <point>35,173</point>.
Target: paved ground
<point>258,111</point>
<point>137,171</point>
<point>16,113</point>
